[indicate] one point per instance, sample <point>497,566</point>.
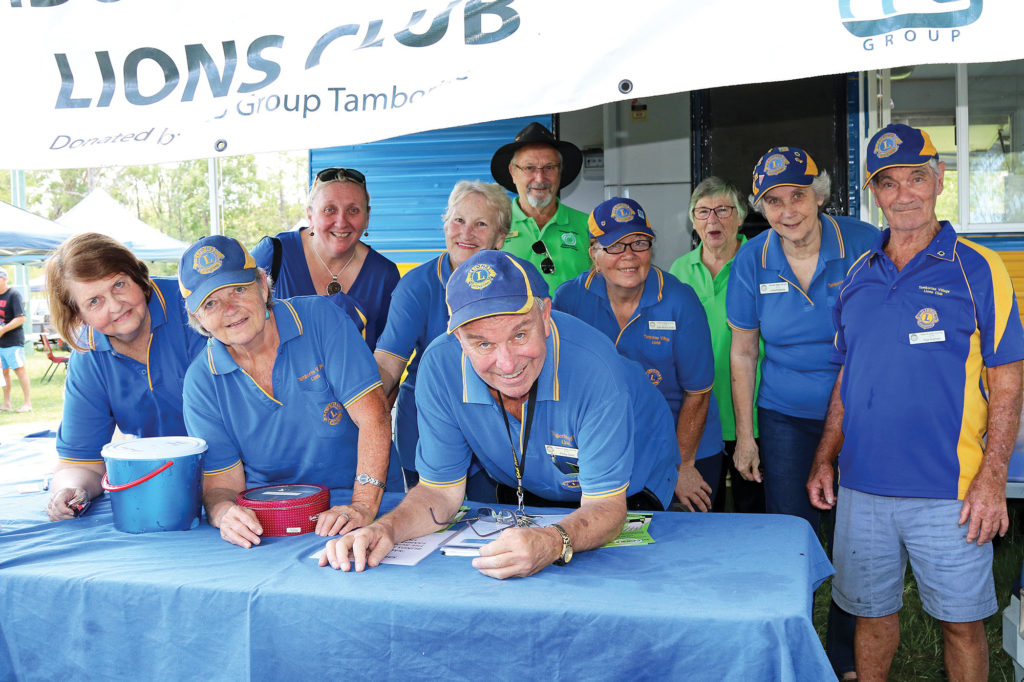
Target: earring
<point>267,316</point>
<point>366,234</point>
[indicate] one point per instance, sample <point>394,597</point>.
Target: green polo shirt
<point>566,236</point>
<point>689,268</point>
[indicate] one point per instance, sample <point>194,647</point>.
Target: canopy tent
<point>26,237</point>
<point>100,212</point>
<point>195,79</point>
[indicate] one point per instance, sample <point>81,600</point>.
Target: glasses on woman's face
<point>636,246</point>
<point>330,174</point>
<point>722,212</point>
<point>547,266</point>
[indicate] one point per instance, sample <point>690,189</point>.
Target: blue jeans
<point>787,446</point>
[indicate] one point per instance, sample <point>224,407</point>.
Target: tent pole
<point>18,188</point>
<point>214,197</point>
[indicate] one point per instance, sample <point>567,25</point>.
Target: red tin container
<point>286,509</point>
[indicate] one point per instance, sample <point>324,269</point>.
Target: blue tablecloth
<point>715,597</point>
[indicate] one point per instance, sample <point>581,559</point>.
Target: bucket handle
<point>108,487</point>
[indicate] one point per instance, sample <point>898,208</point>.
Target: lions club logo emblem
<point>332,413</point>
<point>654,375</point>
<point>927,318</point>
<point>622,213</point>
<point>480,276</point>
<point>887,145</point>
<point>207,260</point>
<point>775,164</point>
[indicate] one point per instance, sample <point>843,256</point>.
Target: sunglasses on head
<point>331,174</point>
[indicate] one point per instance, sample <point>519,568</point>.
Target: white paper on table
<point>468,541</point>
<point>410,552</point>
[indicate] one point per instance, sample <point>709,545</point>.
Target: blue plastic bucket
<point>155,483</point>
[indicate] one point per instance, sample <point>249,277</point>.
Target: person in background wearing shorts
<point>923,447</point>
<point>12,343</point>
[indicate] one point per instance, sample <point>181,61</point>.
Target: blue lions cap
<point>213,263</point>
<point>492,283</point>
<point>616,218</point>
<point>898,145</point>
<point>783,166</point>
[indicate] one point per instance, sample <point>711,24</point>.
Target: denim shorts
<point>875,535</point>
<point>13,357</point>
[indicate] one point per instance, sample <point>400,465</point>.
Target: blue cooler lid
<point>158,447</point>
<point>281,492</point>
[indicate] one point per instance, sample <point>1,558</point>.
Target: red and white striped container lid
<point>286,509</point>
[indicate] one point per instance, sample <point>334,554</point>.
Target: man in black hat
<point>544,231</point>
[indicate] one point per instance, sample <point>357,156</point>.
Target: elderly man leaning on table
<point>547,405</point>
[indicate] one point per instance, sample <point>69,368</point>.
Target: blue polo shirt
<point>371,290</point>
<point>595,409</point>
<point>301,433</point>
<point>105,389</point>
<point>914,343</point>
<point>418,314</point>
<point>668,335</point>
<point>796,325</point>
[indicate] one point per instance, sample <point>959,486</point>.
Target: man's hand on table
<point>368,546</point>
<point>239,526</point>
<point>519,552</point>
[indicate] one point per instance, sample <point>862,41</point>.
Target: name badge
<point>775,288</point>
<point>662,324</point>
<point>514,233</point>
<point>928,337</point>
<point>561,451</point>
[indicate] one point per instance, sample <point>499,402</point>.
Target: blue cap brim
<point>490,307</point>
<point>218,282</point>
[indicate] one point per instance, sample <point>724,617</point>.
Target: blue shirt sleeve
<point>694,358</point>
<point>442,453</point>
<point>741,295</point>
<point>606,436</point>
<point>204,419</point>
<point>88,421</point>
<point>407,319</point>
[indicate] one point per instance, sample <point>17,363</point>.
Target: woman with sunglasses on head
<point>328,258</point>
<point>132,345</point>
<point>285,392</point>
<point>717,209</point>
<point>657,321</point>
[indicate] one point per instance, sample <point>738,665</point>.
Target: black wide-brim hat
<point>535,133</point>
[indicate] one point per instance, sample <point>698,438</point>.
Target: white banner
<point>122,82</point>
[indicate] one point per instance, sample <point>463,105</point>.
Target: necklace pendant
<point>333,288</point>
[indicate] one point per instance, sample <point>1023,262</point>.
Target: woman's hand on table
<point>747,460</point>
<point>239,526</point>
<point>344,518</point>
<point>692,490</point>
<point>59,507</point>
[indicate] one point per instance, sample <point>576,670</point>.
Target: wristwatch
<point>566,556</point>
<point>367,479</point>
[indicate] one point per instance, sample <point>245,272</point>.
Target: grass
<point>919,657</point>
<point>47,398</point>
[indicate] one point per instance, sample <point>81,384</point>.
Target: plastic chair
<point>55,360</point>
